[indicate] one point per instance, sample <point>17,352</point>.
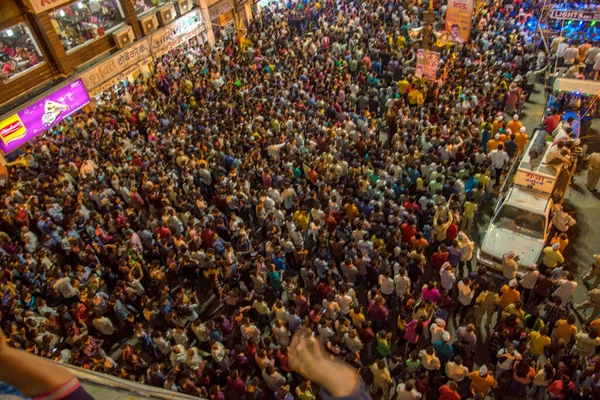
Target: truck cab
<point>522,219</point>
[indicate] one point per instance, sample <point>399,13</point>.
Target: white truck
<point>522,218</point>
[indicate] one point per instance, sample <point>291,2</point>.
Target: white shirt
<point>345,302</point>
<point>465,293</point>
<point>386,284</point>
<point>562,220</point>
<point>353,345</point>
<point>466,250</point>
<point>104,325</point>
<point>561,49</point>
<point>65,287</point>
<point>456,372</point>
<point>402,285</point>
<point>436,333</point>
<point>404,395</point>
<point>499,158</point>
<point>447,278</point>
<point>565,290</point>
<point>507,363</point>
<point>570,55</point>
<point>529,280</point>
<point>597,62</point>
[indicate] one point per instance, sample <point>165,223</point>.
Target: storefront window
<point>86,20</point>
<point>18,51</point>
<point>141,6</point>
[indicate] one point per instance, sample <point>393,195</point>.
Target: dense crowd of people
<point>181,232</point>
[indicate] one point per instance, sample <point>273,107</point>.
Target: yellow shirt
<point>307,395</point>
<point>415,97</point>
<point>402,85</point>
<point>357,319</point>
<point>483,178</point>
<point>512,309</point>
<point>351,210</point>
<point>563,330</point>
<point>552,257</point>
<point>481,384</point>
<point>420,185</point>
<point>537,342</point>
<point>379,242</point>
<point>302,219</point>
<point>401,42</point>
<point>261,308</point>
<point>469,209</point>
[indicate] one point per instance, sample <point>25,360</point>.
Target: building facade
<point>43,42</point>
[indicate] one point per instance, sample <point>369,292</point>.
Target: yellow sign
<point>459,15</point>
<point>11,129</point>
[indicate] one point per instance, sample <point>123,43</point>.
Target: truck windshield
<point>518,220</point>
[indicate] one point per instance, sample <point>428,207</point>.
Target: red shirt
<point>163,232</point>
<point>378,312</point>
<point>283,361</point>
<point>551,122</point>
<point>452,232</point>
<point>408,231</point>
<point>250,349</point>
<point>448,394</point>
<point>557,389</point>
<point>324,289</point>
<point>438,259</point>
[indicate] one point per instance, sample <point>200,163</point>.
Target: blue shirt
<point>279,263</point>
<point>444,351</point>
<point>470,184</point>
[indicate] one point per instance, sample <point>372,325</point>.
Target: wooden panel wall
<point>9,9</point>
<point>25,83</point>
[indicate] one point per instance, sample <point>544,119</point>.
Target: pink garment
<point>411,333</point>
<point>431,294</point>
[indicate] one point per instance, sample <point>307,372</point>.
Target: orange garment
<point>492,144</point>
<point>508,296</point>
<point>503,138</point>
<point>521,140</point>
<point>562,244</point>
<point>481,384</point>
<point>415,243</point>
<point>496,125</point>
<point>514,126</point>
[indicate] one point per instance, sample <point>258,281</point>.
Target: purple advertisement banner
<point>23,126</point>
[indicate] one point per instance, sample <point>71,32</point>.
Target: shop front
<point>190,26</point>
<point>77,31</point>
<point>78,24</point>
<point>49,40</point>
<point>19,51</point>
<point>126,64</point>
<point>24,62</point>
<point>221,14</point>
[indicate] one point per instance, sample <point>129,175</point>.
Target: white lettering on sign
<point>178,31</point>
<point>119,78</point>
<point>577,15</point>
<point>116,64</point>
